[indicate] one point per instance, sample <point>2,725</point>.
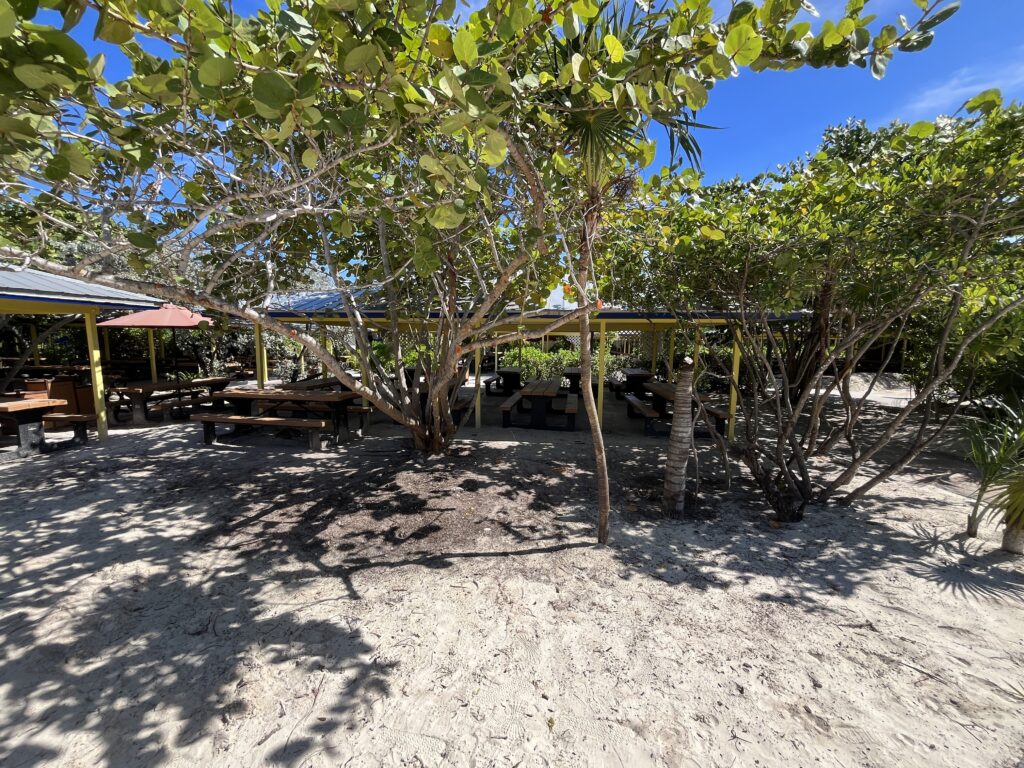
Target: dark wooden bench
<point>312,427</point>
<point>79,423</point>
<point>720,416</point>
<point>170,406</point>
<point>635,407</point>
<point>461,405</point>
<point>572,406</point>
<point>506,409</point>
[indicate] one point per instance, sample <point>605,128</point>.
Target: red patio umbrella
<point>168,316</point>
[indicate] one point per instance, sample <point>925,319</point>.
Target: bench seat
<point>635,406</point>
<point>313,427</point>
<point>79,423</point>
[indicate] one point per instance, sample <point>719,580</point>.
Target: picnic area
<point>504,383</point>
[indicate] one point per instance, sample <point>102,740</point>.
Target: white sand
<point>164,603</point>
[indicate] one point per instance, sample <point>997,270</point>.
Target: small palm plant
<point>997,448</point>
<point>1008,502</point>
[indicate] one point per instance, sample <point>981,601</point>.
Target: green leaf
<point>933,21</point>
<point>310,158</point>
<point>921,129</point>
<point>12,126</point>
<point>711,233</point>
<point>495,149</point>
<point>424,258</point>
<point>615,50</point>
<point>142,240</point>
<point>8,19</point>
<point>216,71</point>
<point>112,30</point>
<point>272,91</point>
<point>445,217</point>
<point>585,9</point>
<point>359,57</point>
<point>743,44</point>
<point>985,102</point>
<point>465,47</point>
<point>57,168</point>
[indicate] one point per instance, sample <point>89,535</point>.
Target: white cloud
<point>947,96</point>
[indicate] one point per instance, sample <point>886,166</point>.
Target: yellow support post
<point>261,358</point>
<point>602,350</point>
<point>672,356</point>
<point>734,385</point>
<point>33,334</point>
<point>152,354</point>
<point>106,344</point>
<point>479,376</point>
<point>698,337</point>
<point>654,351</point>
<point>96,373</point>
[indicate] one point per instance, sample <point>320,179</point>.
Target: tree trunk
<point>680,441</point>
<point>597,437</point>
<point>1013,540</point>
<point>974,518</point>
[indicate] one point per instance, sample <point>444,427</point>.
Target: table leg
<point>138,401</point>
<point>660,404</point>
<point>31,439</point>
<point>539,407</point>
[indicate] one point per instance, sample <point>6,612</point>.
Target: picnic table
<point>541,395</point>
<point>28,414</point>
<point>306,402</point>
<point>665,393</point>
<point>573,375</point>
<point>510,379</point>
<point>140,395</point>
<point>635,380</point>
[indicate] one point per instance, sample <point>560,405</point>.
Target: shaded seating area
<point>71,396</point>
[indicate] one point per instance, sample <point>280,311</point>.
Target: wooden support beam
<point>33,334</point>
<point>601,358</point>
<point>734,384</point>
<point>106,344</point>
<point>672,356</point>
<point>99,400</point>
<point>152,354</point>
<point>261,357</point>
<point>477,361</point>
<point>654,351</point>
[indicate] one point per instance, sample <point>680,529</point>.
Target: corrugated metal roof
<point>33,285</point>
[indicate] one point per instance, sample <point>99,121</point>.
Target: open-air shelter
<point>31,292</point>
<point>324,309</point>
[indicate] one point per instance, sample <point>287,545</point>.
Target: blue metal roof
<point>328,304</point>
<point>34,285</point>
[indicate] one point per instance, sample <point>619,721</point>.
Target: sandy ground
<point>167,603</point>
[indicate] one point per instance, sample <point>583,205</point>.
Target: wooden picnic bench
<point>79,423</point>
<point>308,402</point>
<point>540,394</point>
<point>636,406</point>
<point>509,379</point>
<point>665,393</point>
<point>140,395</point>
<point>312,427</point>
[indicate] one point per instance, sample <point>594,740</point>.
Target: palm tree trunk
<point>679,441</point>
<point>1013,539</point>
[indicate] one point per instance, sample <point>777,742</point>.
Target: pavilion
<point>323,308</point>
<point>31,292</point>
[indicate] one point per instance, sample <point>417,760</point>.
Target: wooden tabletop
<point>661,389</point>
<point>637,372</point>
<point>509,370</point>
<point>541,388</point>
<point>12,404</point>
<point>148,388</point>
<point>573,371</point>
<point>287,395</point>
<point>321,383</point>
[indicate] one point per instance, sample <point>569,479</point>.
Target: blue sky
<point>770,118</point>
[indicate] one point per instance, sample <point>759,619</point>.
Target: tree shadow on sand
<point>150,608</point>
